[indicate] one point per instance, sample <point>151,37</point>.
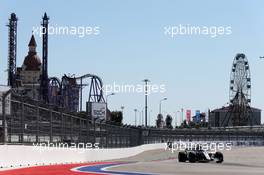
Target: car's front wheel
<point>219,157</point>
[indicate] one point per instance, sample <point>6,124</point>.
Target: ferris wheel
<point>240,81</point>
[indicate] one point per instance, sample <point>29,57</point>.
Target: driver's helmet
<point>198,147</point>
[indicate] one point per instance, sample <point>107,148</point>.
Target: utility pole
<point>135,117</point>
<point>182,114</point>
<point>146,101</point>
<point>142,118</point>
<point>175,113</point>
<point>160,104</point>
<point>149,117</point>
<point>122,108</point>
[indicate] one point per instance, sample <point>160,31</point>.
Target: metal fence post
<point>71,129</point>
<point>62,127</point>
<point>106,136</point>
<point>80,129</point>
<point>4,119</point>
<point>22,126</point>
<point>51,127</point>
<point>38,118</point>
<point>100,133</point>
<point>94,131</point>
<point>87,130</point>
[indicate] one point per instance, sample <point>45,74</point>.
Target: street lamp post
<point>122,108</point>
<point>149,117</point>
<point>182,114</point>
<point>175,113</point>
<point>106,100</point>
<point>142,117</point>
<point>160,104</point>
<point>179,116</point>
<point>108,96</point>
<point>135,117</point>
<point>139,120</point>
<point>146,101</point>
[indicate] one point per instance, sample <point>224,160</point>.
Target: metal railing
<point>28,122</point>
<point>32,123</point>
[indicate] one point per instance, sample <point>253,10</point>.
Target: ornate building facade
<point>28,75</point>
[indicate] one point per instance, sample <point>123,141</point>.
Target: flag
<point>197,115</point>
<point>188,115</point>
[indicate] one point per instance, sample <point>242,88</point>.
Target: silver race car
<point>200,155</point>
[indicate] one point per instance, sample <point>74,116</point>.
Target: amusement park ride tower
<point>31,80</point>
<point>44,75</point>
<point>240,91</point>
<point>239,111</point>
<point>12,49</point>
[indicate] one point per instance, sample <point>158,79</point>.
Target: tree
<point>185,124</point>
<point>191,124</point>
<point>159,121</point>
<point>169,122</point>
<point>116,117</point>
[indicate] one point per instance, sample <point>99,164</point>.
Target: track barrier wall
<point>20,155</point>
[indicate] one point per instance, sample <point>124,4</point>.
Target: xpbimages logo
<point>133,88</point>
<point>80,147</point>
<point>206,146</point>
<point>189,30</point>
<point>79,31</point>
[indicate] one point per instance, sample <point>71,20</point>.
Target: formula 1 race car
<point>199,155</point>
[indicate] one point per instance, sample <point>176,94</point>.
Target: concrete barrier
<point>20,155</point>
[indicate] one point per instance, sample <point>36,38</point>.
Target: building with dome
<point>28,75</point>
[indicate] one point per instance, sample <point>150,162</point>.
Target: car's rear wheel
<point>182,157</point>
<point>219,157</point>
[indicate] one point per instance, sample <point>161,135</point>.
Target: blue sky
<point>132,46</point>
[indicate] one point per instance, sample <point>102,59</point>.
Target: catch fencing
<point>25,121</point>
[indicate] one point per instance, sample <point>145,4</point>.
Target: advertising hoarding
<point>98,110</point>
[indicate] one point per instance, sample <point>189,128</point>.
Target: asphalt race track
<point>238,161</point>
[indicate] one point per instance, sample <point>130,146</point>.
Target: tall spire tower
<point>12,50</point>
<point>44,75</point>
